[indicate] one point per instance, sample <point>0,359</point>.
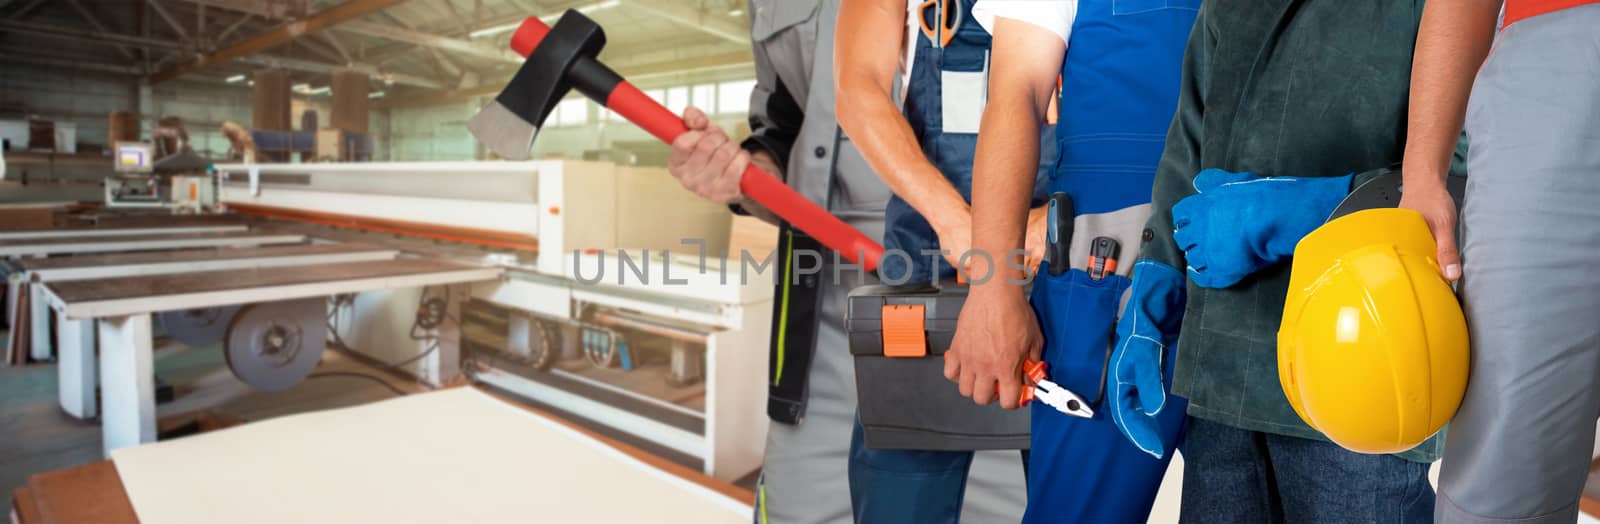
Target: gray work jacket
<point>791,112</point>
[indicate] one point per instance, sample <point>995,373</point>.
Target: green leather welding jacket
<point>1282,88</point>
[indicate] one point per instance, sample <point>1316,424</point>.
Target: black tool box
<point>905,401</point>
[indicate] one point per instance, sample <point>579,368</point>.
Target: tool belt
<point>795,319</point>
<point>898,336</point>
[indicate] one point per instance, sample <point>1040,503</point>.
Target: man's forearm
<point>864,72</point>
<point>1452,42</point>
<point>1022,81</point>
<point>884,138</point>
<point>1002,185</point>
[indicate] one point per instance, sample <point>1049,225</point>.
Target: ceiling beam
<point>722,26</point>
<point>278,35</point>
<point>326,68</point>
<point>92,37</point>
<point>78,34</point>
<point>23,11</point>
<point>443,43</point>
<point>172,21</point>
<point>334,42</point>
<point>270,9</point>
<point>228,31</point>
<point>95,22</point>
<point>70,64</point>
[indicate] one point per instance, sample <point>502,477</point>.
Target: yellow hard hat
<point>1372,351</point>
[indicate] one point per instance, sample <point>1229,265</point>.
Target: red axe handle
<point>797,210</point>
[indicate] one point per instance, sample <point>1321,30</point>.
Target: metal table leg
<point>127,382</point>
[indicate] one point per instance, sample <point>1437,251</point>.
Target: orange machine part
<point>904,334</point>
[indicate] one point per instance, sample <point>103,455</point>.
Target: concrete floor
<point>36,436</point>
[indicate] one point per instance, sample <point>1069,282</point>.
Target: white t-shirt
<point>1055,16</point>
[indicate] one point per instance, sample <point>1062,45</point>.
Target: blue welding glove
<point>1239,223</point>
<point>1147,329</point>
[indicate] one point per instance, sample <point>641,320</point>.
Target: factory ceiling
<point>416,51</point>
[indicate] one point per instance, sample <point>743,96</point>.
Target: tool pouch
<point>794,329</point>
<point>898,336</point>
<point>1078,318</point>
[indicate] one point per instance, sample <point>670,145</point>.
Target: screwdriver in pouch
<point>1058,232</point>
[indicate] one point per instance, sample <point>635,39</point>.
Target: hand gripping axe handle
<point>562,57</point>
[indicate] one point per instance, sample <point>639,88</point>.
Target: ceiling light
<point>235,79</point>
<point>375,94</point>
<point>735,12</point>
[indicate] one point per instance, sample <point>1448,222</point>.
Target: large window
<point>725,98</point>
<point>571,112</point>
<point>734,97</point>
<point>705,97</point>
<point>677,99</point>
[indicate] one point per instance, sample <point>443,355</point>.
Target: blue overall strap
<point>1119,90</point>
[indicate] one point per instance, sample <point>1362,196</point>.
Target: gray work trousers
<point>1520,444</point>
<point>803,478</point>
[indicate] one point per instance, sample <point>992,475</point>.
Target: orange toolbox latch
<point>904,331</point>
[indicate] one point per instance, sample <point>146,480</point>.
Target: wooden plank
<point>98,244</point>
<point>398,227</point>
<point>150,237</point>
<point>23,508</point>
<point>112,219</point>
<point>156,293</point>
<point>87,494</point>
<point>157,285</point>
<point>186,255</point>
<point>26,218</point>
<point>74,231</point>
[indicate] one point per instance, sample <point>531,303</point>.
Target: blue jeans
<point>1234,475</point>
<point>889,486</point>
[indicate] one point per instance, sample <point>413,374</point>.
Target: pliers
<point>1052,394</point>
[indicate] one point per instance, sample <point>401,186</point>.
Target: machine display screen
<point>134,157</point>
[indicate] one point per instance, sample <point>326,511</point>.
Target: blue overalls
<point>944,103</point>
<point>1119,91</point>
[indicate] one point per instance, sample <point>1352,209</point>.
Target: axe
<point>561,58</point>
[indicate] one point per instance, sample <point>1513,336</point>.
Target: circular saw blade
<point>275,345</point>
<point>197,327</point>
<point>1383,190</point>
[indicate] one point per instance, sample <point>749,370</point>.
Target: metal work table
<point>75,363</point>
<point>122,307</point>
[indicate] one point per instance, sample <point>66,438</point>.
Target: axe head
<point>509,123</point>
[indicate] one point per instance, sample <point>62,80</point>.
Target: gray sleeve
<point>775,116</point>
